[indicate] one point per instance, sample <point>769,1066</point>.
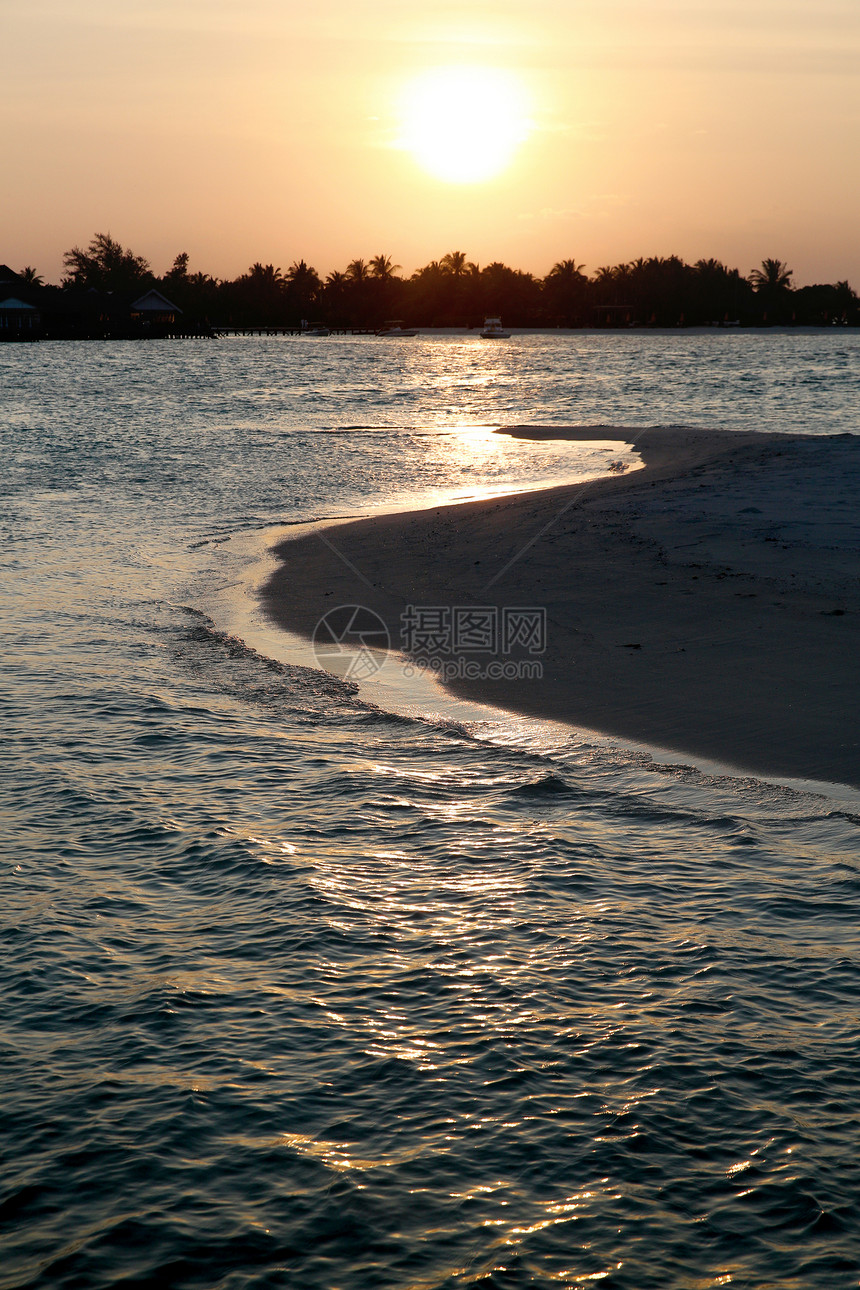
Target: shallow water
<point>301,992</point>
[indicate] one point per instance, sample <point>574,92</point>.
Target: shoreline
<point>707,602</point>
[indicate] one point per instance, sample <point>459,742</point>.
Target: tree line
<point>454,291</point>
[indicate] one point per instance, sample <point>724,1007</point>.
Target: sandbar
<point>706,603</point>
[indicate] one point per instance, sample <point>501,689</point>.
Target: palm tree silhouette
<point>773,276</point>
<point>382,267</point>
<point>302,277</point>
<point>265,275</point>
<point>455,263</point>
<point>335,293</point>
<point>565,290</point>
<point>29,275</point>
<point>567,271</point>
<point>303,286</point>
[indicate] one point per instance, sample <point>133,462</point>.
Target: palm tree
<point>334,294</point>
<point>566,271</point>
<point>455,263</point>
<point>431,270</point>
<point>29,275</point>
<point>264,275</point>
<point>303,287</point>
<point>303,277</point>
<point>606,280</point>
<point>773,276</point>
<point>357,271</point>
<point>720,293</point>
<point>565,293</point>
<point>259,294</point>
<point>382,267</point>
<point>710,268</point>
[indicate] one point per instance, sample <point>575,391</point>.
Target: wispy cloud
<point>597,206</point>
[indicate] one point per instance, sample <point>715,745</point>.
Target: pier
<point>278,330</point>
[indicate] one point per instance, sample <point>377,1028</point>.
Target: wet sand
<point>708,603</point>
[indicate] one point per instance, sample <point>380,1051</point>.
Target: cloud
<point>597,206</point>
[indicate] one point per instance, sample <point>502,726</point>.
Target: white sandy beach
<point>707,603</point>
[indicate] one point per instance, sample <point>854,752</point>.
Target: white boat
<point>395,328</point>
<point>317,329</point>
<point>493,330</point>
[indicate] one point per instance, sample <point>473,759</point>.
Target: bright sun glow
<point>464,124</point>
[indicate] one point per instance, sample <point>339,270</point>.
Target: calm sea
<point>298,992</point>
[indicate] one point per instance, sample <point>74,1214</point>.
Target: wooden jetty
<point>278,330</point>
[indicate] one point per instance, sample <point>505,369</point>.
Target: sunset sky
<point>275,130</point>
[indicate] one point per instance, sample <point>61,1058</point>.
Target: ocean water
<point>300,992</point>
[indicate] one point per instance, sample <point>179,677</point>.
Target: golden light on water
<point>464,124</point>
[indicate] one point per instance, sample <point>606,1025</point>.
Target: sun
<point>464,124</point>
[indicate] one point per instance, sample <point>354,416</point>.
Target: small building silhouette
<point>19,315</point>
<point>153,307</point>
<point>31,311</point>
<point>18,320</point>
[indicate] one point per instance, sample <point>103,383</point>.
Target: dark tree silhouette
<point>178,272</point>
<point>772,283</point>
<point>362,303</point>
<point>301,276</point>
<point>447,290</point>
<point>566,294</point>
<point>654,291</point>
<point>719,294</point>
<point>258,296</point>
<point>567,271</point>
<point>383,294</point>
<point>198,295</point>
<point>304,289</point>
<point>455,263</point>
<point>334,299</point>
<point>509,293</point>
<point>106,266</point>
<point>264,276</point>
<point>773,276</point>
<point>383,268</point>
<point>826,303</point>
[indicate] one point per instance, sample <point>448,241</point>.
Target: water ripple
<point>301,993</point>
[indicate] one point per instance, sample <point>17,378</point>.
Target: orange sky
<point>273,130</point>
